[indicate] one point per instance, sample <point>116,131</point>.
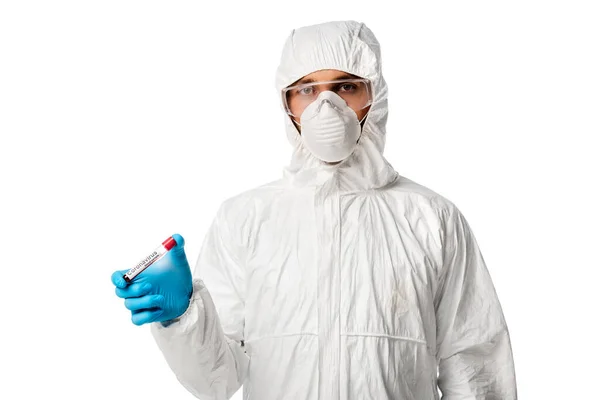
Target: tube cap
<point>169,243</point>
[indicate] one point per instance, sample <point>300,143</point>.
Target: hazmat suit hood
<point>351,47</point>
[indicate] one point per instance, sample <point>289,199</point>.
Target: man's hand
<point>162,291</point>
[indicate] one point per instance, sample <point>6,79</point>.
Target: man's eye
<point>347,87</point>
<point>306,90</point>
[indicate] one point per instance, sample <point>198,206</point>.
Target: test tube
<point>150,259</point>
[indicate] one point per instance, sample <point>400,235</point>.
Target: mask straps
<point>361,128</point>
<point>363,118</point>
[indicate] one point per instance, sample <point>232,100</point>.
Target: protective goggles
<point>358,94</point>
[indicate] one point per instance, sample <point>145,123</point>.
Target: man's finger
<point>144,302</point>
<point>134,290</point>
<point>146,316</point>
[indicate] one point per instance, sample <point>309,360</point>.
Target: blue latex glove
<point>162,291</point>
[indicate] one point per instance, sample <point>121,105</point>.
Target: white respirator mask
<point>330,129</point>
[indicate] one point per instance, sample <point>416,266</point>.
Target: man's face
<point>327,75</point>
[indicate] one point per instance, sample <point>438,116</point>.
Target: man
<point>342,280</point>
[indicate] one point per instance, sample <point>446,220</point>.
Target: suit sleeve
<point>204,347</point>
<point>473,347</point>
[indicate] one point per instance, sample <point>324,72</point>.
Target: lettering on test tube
<point>150,259</point>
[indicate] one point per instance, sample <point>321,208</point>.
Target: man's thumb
<point>180,243</point>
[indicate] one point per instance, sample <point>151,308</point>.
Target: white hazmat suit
<point>340,281</point>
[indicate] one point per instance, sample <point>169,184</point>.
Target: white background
<point>123,122</point>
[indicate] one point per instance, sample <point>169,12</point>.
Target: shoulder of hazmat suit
<point>341,281</point>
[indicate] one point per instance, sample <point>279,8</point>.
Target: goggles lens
<point>357,93</point>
